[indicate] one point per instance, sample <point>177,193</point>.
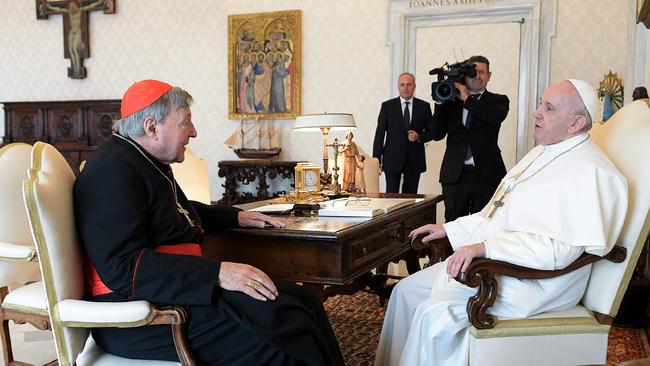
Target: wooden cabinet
<point>76,128</point>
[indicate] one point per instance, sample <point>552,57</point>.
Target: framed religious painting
<point>264,65</point>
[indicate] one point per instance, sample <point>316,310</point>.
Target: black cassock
<point>125,207</point>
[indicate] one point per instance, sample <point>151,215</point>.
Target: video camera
<point>444,89</point>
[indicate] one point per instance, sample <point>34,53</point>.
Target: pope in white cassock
<point>565,197</point>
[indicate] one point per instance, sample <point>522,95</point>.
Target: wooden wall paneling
<point>25,124</point>
<point>76,128</point>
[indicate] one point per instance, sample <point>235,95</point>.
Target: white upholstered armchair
<point>49,200</point>
<point>192,176</point>
<point>576,336</point>
<point>22,299</point>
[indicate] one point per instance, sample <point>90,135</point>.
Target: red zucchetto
<point>141,95</point>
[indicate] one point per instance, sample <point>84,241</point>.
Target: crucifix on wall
<point>75,27</point>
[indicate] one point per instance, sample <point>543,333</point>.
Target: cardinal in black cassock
<point>142,237</point>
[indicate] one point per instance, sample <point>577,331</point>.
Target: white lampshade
<point>332,121</point>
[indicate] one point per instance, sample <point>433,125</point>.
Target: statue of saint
<point>352,160</point>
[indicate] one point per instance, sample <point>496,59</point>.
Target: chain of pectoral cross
<point>179,208</point>
<point>498,203</point>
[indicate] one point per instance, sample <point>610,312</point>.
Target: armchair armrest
<point>481,273</point>
<point>17,252</point>
<point>90,314</point>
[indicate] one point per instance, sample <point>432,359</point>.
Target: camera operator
<point>472,166</point>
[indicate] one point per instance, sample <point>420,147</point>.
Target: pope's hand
<point>257,219</point>
<point>247,279</point>
<point>460,260</point>
<point>432,232</point>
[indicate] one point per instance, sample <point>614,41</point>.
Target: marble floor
<point>31,345</point>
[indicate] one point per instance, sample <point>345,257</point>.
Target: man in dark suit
<point>406,123</point>
<point>472,166</point>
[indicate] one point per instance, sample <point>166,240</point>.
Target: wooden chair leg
<point>5,338</point>
<point>38,322</point>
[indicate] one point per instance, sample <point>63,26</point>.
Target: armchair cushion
<point>96,356</point>
<point>28,299</point>
<point>16,252</point>
<point>574,320</point>
<point>81,313</point>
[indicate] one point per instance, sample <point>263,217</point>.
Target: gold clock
<point>307,177</point>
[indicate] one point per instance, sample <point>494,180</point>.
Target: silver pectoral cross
<point>495,206</point>
<point>185,213</point>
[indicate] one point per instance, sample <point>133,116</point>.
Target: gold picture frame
<point>264,65</point>
<point>643,12</point>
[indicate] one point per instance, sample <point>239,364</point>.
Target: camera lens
<point>444,91</point>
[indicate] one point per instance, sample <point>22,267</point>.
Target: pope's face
<point>174,134</point>
<point>556,114</point>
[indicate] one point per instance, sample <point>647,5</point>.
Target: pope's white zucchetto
<point>589,97</point>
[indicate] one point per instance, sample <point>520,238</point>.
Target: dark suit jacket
<point>397,154</point>
<point>487,114</point>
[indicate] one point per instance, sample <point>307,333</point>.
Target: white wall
<point>346,59</point>
<point>590,39</point>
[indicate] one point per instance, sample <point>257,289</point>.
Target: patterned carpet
<point>357,321</point>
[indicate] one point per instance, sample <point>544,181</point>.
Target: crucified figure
<point>74,12</point>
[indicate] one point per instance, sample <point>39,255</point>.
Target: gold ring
<point>254,284</point>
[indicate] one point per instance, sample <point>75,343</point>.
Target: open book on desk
<point>362,206</point>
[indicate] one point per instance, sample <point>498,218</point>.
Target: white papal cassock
<point>558,201</point>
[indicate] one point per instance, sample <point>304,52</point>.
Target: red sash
<point>97,286</point>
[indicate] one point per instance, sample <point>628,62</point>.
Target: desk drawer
<point>419,220</point>
<point>375,244</point>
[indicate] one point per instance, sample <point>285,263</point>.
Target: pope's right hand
<point>247,279</point>
<point>430,232</point>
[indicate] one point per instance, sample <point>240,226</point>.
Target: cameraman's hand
<point>413,136</point>
<point>463,92</point>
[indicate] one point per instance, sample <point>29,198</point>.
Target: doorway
<point>499,42</point>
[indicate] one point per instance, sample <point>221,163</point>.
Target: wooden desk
<point>321,251</point>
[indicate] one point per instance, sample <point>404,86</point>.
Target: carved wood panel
<point>65,126</point>
<point>76,128</point>
<point>26,124</point>
<point>101,123</point>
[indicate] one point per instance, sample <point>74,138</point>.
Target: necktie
<point>468,124</point>
<point>468,121</point>
<point>407,117</point>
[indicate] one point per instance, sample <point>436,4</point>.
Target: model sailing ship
<point>254,140</point>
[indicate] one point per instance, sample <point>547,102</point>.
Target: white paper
<point>274,209</point>
<point>360,208</point>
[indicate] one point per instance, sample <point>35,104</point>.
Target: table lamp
<point>325,123</point>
